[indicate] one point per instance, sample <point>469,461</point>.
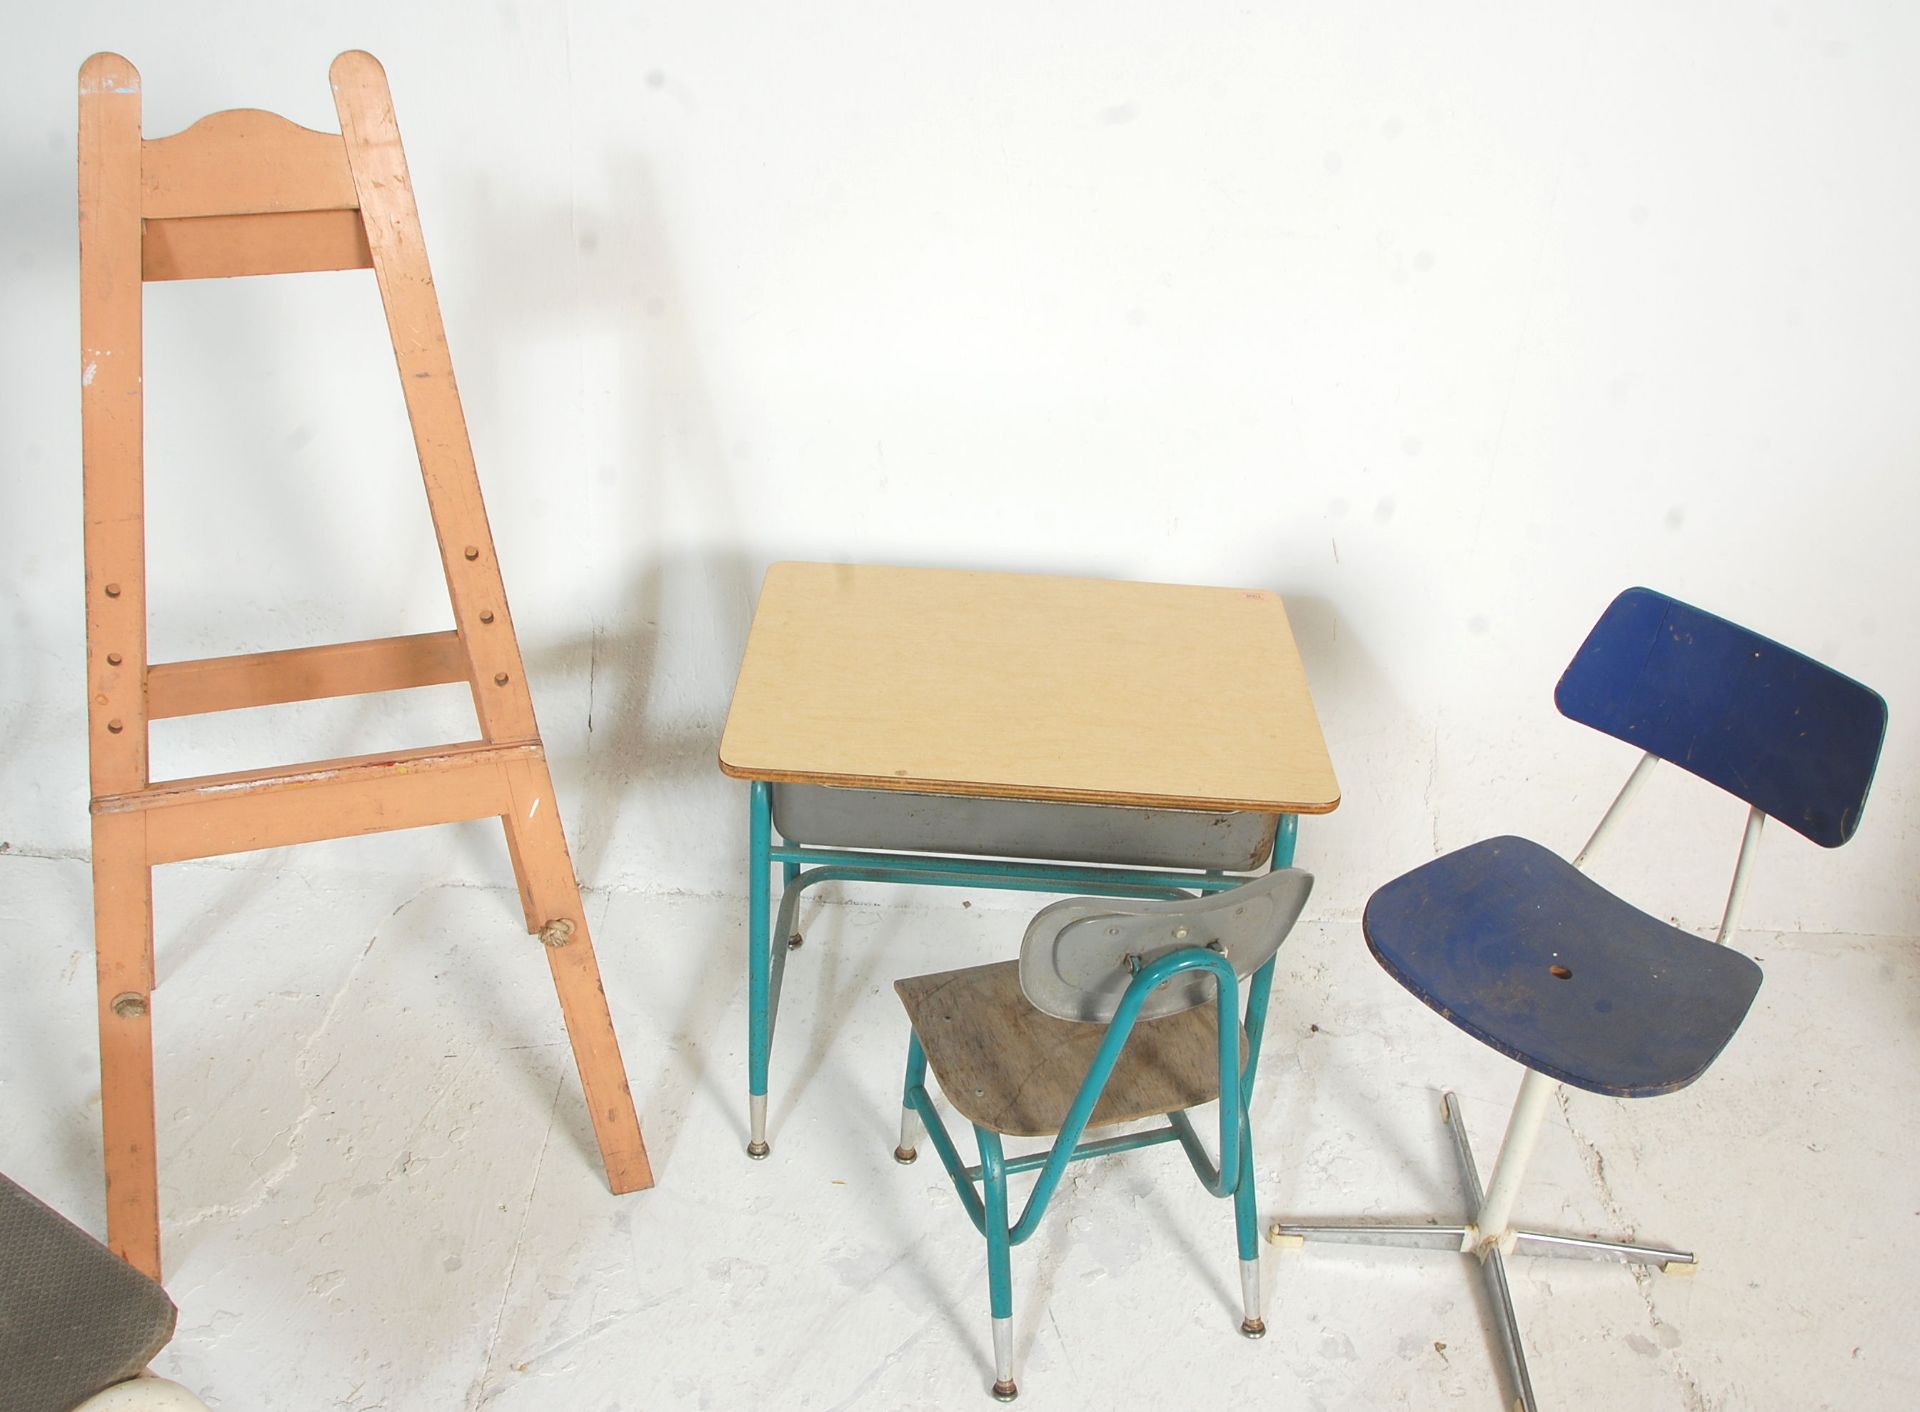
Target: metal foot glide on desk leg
<point>762,983</point>
<point>757,1120</point>
<point>770,959</point>
<point>1005,1389</point>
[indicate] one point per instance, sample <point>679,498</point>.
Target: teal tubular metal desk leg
<point>759,879</point>
<point>1246,1214</point>
<point>911,1127</point>
<point>1285,835</point>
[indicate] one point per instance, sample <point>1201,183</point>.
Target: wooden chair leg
<point>534,919</point>
<point>123,949</point>
<point>540,850</point>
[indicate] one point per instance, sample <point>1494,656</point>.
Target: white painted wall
<point>1445,321</point>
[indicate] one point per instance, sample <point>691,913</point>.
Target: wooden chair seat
<point>1015,1070</point>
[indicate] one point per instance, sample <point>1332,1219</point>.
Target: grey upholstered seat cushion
<point>74,1318</point>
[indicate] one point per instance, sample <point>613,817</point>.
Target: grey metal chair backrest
<point>1079,956</point>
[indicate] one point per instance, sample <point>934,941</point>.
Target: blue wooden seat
<point>1529,956</point>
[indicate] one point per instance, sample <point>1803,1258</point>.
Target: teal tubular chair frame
<point>803,867</point>
<point>1234,1144</point>
<point>1233,1175</point>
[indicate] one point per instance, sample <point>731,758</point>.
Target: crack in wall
<point>1426,797</point>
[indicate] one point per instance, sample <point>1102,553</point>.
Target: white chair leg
<point>1490,1222</point>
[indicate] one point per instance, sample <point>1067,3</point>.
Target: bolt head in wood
<point>113,590</point>
<point>472,553</point>
<point>499,678</point>
<point>113,659</point>
<point>130,1006</point>
<point>487,616</point>
<point>558,932</point>
<point>114,727</point>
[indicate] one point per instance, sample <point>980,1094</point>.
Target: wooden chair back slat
<point>244,162</point>
<point>281,243</point>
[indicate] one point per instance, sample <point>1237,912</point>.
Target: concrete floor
<point>380,1190</point>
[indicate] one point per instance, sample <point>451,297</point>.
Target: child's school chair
<point>1105,1019</point>
<point>1526,954</point>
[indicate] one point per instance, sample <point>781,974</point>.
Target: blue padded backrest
<point>1789,736</point>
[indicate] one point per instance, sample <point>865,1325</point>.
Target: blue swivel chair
<point>1526,954</point>
<point>1116,1011</point>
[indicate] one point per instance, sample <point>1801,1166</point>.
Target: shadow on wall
<point>658,461</point>
<point>1345,678</point>
<point>659,479</point>
<point>1370,730</point>
<point>1382,753</point>
<point>39,525</point>
<point>647,743</point>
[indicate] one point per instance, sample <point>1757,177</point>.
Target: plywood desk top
<point>1029,687</point>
